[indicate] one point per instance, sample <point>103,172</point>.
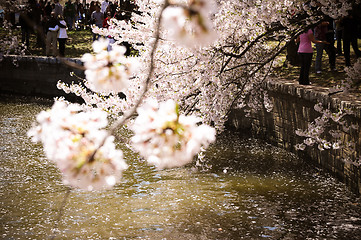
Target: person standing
<point>38,27</point>
<point>47,10</point>
<point>51,35</point>
<point>349,36</point>
<point>339,31</point>
<point>52,28</point>
<point>106,24</point>
<point>90,8</point>
<point>25,24</point>
<point>104,6</point>
<point>80,17</point>
<point>305,53</point>
<point>324,32</point>
<point>69,14</point>
<point>62,36</point>
<point>58,9</point>
<point>97,18</point>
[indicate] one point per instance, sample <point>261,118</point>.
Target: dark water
<point>242,189</point>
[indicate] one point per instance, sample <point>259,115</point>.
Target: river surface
<point>241,189</point>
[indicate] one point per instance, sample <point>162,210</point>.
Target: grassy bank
<point>78,43</point>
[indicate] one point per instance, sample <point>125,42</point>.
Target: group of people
<point>105,11</point>
<point>324,35</point>
<point>56,32</point>
<point>47,21</point>
<point>50,20</point>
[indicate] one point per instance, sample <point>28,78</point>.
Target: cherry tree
<point>209,79</point>
<point>195,61</point>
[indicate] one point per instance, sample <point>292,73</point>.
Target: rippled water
<point>242,189</point>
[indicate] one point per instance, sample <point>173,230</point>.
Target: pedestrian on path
<point>305,53</point>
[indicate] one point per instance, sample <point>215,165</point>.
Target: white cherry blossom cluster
<point>113,104</point>
<point>10,43</point>
<point>353,79</point>
<point>334,9</point>
<point>73,140</point>
<point>354,72</point>
<point>317,131</point>
<point>166,138</point>
<point>191,24</point>
<point>108,71</point>
<point>319,134</point>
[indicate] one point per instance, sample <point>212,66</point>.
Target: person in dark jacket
<point>349,36</point>
<point>52,34</point>
<point>69,14</point>
<point>324,32</point>
<point>24,22</point>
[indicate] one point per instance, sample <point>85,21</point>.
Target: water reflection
<point>242,189</point>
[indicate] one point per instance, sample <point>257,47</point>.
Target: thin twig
<point>132,112</point>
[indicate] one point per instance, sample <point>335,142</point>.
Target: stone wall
<point>294,109</point>
<point>37,76</point>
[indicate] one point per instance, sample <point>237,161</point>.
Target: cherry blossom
<point>166,138</point>
<point>108,71</point>
<point>178,58</point>
<point>10,43</point>
<point>353,77</point>
<point>72,139</point>
<point>191,25</point>
<point>320,133</point>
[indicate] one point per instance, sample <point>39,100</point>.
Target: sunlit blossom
<point>194,70</point>
<point>72,140</point>
<point>166,138</point>
<point>108,71</point>
<point>190,26</point>
<point>320,147</point>
<point>327,145</point>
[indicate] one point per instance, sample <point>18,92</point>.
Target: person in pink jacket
<point>305,52</point>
